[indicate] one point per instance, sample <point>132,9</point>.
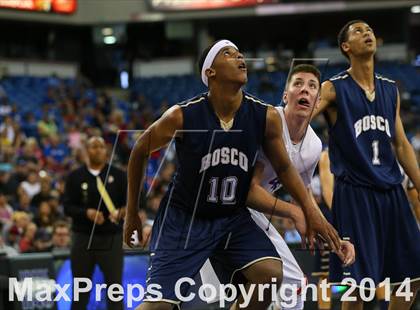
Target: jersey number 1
<point>375,157</point>
<point>228,190</point>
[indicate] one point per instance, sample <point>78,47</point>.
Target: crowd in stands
<point>39,146</point>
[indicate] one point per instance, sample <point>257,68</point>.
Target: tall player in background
<point>369,204</point>
<point>225,130</point>
<point>327,186</point>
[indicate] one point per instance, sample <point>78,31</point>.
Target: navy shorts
<point>383,230</point>
<point>179,249</point>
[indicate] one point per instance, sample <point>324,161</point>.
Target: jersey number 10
<point>228,190</point>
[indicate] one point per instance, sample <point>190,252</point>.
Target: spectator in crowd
<point>24,203</point>
<point>31,186</point>
<point>44,216</point>
<point>4,248</point>
<point>47,126</point>
<point>61,236</point>
<point>45,192</point>
<point>6,211</point>
<point>27,242</point>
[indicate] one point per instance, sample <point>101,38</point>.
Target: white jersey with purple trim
<point>304,156</point>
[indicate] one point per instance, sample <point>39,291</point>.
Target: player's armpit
<point>159,134</point>
<point>328,97</point>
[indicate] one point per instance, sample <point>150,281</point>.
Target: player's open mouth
<point>304,102</point>
<point>368,40</point>
<point>242,66</point>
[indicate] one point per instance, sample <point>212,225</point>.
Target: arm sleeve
<point>72,207</point>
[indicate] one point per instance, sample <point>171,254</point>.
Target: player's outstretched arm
<point>261,200</point>
<point>276,153</point>
<point>405,152</point>
<point>159,134</point>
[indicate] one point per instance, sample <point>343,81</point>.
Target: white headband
<point>210,58</point>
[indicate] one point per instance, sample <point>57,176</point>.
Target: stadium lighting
<point>415,9</point>
<point>107,31</point>
<point>110,40</point>
<point>124,80</point>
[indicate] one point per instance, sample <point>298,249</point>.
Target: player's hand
<point>95,216</point>
<point>318,226</point>
<point>146,233</point>
<point>132,224</point>
<point>347,253</point>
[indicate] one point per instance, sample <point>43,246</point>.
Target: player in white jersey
<point>304,149</point>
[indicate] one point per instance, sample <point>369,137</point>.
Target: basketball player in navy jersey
<point>217,136</point>
<point>369,204</point>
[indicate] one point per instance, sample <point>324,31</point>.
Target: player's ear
<point>210,72</point>
<point>285,97</point>
<point>345,47</point>
<point>318,100</point>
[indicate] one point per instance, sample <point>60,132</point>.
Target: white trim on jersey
<point>380,77</point>
<point>192,102</point>
<point>340,77</point>
<point>256,100</point>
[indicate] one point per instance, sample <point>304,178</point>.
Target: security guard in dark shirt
<point>95,198</point>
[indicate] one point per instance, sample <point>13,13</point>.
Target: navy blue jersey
<point>360,141</point>
<point>215,166</point>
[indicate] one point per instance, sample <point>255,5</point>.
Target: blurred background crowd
<point>45,119</point>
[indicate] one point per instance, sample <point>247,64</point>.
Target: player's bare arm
<point>404,151</point>
<point>326,104</point>
<point>413,197</point>
<point>276,153</point>
<point>263,201</point>
<point>158,135</point>
<point>327,178</point>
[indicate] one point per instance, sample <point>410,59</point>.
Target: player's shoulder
<point>76,173</point>
<point>343,75</point>
<point>384,79</point>
<point>193,102</point>
<point>117,170</point>
<point>254,100</point>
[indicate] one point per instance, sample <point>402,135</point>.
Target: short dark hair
<point>307,68</point>
<point>203,57</point>
<point>60,224</point>
<point>343,34</point>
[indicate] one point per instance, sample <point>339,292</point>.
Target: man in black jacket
<point>95,198</point>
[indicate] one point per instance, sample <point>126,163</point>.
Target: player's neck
<point>296,125</point>
<point>95,166</point>
<point>362,72</point>
<point>225,102</point>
